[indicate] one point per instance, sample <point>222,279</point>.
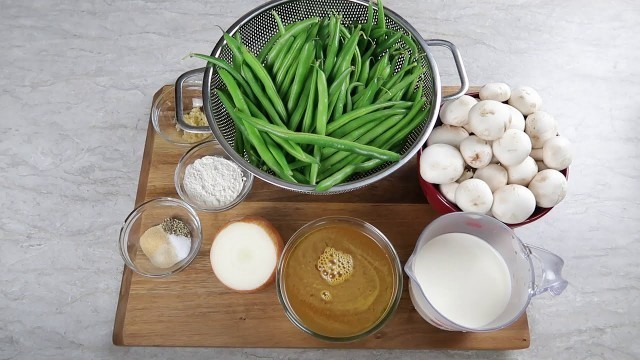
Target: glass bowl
<point>163,112</point>
<point>208,148</point>
<point>147,215</point>
<point>372,233</point>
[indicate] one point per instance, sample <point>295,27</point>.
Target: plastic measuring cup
<point>517,256</point>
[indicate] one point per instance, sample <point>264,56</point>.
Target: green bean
<point>387,43</point>
<point>363,111</point>
<point>307,120</point>
<point>321,120</point>
<point>253,135</point>
<point>288,80</point>
<point>401,85</point>
<point>279,22</point>
<point>277,153</point>
<point>299,177</point>
<point>344,32</point>
<point>411,45</point>
<point>322,140</point>
<point>332,48</point>
<point>291,57</point>
<point>301,106</point>
<point>416,94</point>
<point>364,71</point>
<point>322,109</point>
<point>349,104</point>
<point>297,164</point>
<point>402,135</point>
<point>376,70</point>
<point>344,119</point>
<point>236,57</point>
<point>340,102</point>
<point>367,27</point>
<point>262,74</point>
<point>224,65</point>
<point>372,117</point>
<point>261,96</point>
<point>282,56</point>
<point>398,76</point>
<point>238,143</point>
<point>357,65</point>
<point>381,24</point>
<point>292,148</point>
<point>337,83</point>
<point>300,77</point>
<point>344,59</point>
<point>403,128</point>
<point>293,31</point>
<point>386,140</point>
<point>351,136</point>
<point>234,90</point>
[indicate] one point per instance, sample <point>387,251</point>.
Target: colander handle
<point>179,112</point>
<point>462,73</point>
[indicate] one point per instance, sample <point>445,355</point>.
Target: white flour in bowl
<point>213,182</point>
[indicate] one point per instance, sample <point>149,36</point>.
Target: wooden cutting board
<point>192,308</point>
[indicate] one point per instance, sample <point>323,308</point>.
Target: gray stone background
<point>76,83</point>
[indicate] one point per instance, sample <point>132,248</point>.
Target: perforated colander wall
<point>258,26</point>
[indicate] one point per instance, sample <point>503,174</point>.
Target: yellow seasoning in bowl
<point>166,244</point>
<point>195,117</point>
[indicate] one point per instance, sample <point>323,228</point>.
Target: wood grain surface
<point>192,308</point>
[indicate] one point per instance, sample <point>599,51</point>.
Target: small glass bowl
<point>208,148</point>
<point>163,112</point>
<point>147,215</point>
<point>363,227</point>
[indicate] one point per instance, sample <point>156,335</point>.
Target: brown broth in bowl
<point>348,291</point>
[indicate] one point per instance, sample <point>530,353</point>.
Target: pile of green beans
<point>323,100</point>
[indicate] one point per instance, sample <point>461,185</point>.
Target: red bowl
<point>442,205</point>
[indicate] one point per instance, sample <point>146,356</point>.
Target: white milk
<point>464,278</point>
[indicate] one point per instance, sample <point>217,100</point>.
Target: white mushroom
<point>495,91</point>
<point>536,154</point>
<point>513,204</point>
<point>516,121</point>
<point>441,164</point>
<point>447,134</point>
<point>466,174</point>
<point>557,153</point>
<point>488,119</point>
<point>512,148</point>
<point>522,173</point>
<point>540,126</point>
<point>494,175</point>
<point>541,165</point>
<point>475,151</point>
<point>549,187</point>
<point>525,99</point>
<point>456,112</point>
<point>474,195</point>
<point>449,191</point>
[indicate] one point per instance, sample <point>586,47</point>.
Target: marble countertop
<point>77,79</point>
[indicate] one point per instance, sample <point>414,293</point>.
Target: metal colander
<point>259,25</point>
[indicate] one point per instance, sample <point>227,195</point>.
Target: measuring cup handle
<point>178,99</point>
<point>462,73</point>
<point>551,265</point>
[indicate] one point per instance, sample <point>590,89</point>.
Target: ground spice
<point>166,244</point>
<point>174,226</point>
<point>195,117</point>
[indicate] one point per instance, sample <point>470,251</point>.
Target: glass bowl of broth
<point>339,279</point>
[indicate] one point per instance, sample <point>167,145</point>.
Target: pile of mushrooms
<point>500,156</point>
